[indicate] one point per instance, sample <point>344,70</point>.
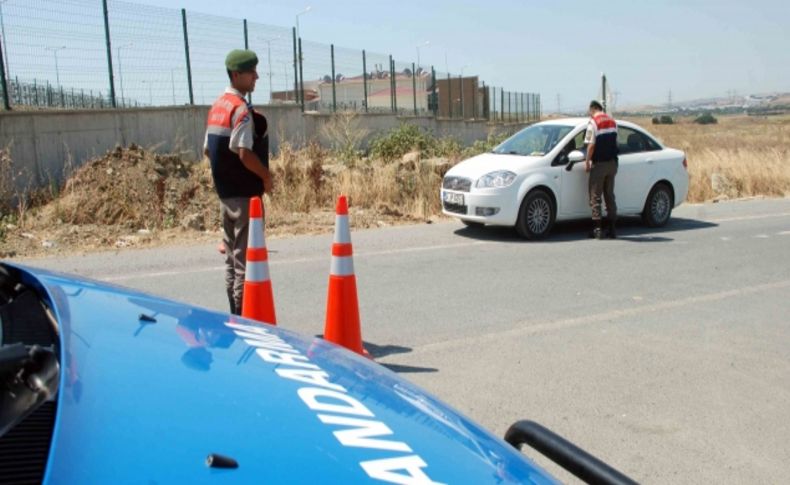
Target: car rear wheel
<point>658,207</point>
<point>536,215</point>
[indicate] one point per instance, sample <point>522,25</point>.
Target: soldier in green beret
<point>239,164</point>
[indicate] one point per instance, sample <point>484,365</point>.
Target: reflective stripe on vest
<point>225,112</point>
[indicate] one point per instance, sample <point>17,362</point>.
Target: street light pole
<point>285,89</point>
<point>297,18</point>
<point>424,44</point>
<point>269,56</point>
<point>55,53</point>
<point>173,85</point>
<point>120,70</point>
<point>150,92</point>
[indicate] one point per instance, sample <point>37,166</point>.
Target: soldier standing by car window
<point>238,171</point>
<point>601,163</point>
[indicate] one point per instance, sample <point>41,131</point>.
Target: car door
<point>574,199</point>
<point>635,170</point>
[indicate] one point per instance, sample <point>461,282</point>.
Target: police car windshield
<point>534,141</point>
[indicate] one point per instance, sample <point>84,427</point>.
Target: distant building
<point>350,92</point>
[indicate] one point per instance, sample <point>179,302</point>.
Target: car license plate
<point>452,198</point>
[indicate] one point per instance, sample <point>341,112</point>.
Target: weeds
<point>345,135</point>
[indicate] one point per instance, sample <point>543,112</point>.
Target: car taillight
<point>685,163</point>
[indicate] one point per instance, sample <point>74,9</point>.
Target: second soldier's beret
<point>240,60</point>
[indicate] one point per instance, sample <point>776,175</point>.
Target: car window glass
<point>630,141</point>
<point>536,140</point>
<point>576,143</point>
<point>650,144</point>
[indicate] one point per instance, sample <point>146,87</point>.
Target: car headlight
<point>498,179</point>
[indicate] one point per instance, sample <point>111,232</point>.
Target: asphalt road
<point>666,352</point>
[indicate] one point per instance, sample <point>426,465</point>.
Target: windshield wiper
<point>29,376</point>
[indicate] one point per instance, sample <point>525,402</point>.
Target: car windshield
<point>536,140</point>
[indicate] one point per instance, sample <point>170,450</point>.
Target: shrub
<point>706,119</point>
<point>667,120</point>
<point>656,121</point>
<point>400,141</point>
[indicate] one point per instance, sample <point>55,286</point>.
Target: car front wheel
<point>658,206</point>
<point>536,215</point>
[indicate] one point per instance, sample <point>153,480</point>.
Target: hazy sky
<point>695,48</point>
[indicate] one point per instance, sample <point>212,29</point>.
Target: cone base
<point>342,314</point>
<point>258,302</point>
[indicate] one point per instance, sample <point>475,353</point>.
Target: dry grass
<point>108,201</point>
<point>309,180</point>
<point>741,156</point>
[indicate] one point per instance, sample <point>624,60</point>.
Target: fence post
<point>434,97</point>
<point>493,105</point>
<point>365,79</point>
<point>502,104</point>
<point>529,115</point>
<point>296,69</point>
<point>449,96</point>
<point>414,87</point>
<point>461,97</point>
<point>246,47</point>
<point>301,74</point>
<point>334,92</point>
<point>3,81</point>
<point>186,52</point>
<point>475,93</point>
<point>109,51</point>
<point>392,87</point>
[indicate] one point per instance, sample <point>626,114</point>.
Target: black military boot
<point>596,232</point>
<point>612,233</point>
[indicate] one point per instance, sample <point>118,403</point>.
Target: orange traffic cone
<point>257,302</point>
<point>342,308</point>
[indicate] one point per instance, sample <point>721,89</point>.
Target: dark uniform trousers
<point>235,215</point>
<point>601,183</point>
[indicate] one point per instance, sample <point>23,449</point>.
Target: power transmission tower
<point>669,100</point>
<point>559,104</point>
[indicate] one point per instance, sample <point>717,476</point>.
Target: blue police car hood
<point>151,387</point>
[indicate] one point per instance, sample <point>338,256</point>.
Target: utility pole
<point>55,53</point>
<point>559,104</point>
<point>669,100</point>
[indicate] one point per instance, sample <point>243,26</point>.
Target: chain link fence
<point>75,54</point>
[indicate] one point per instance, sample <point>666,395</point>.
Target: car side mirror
<point>575,156</point>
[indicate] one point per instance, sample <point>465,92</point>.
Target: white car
<point>535,178</point>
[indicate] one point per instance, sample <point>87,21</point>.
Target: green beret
<point>241,60</point>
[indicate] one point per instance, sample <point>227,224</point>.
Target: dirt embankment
<point>131,197</point>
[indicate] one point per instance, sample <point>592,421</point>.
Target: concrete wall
<point>43,142</point>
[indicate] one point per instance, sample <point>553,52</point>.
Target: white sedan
<point>537,177</point>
